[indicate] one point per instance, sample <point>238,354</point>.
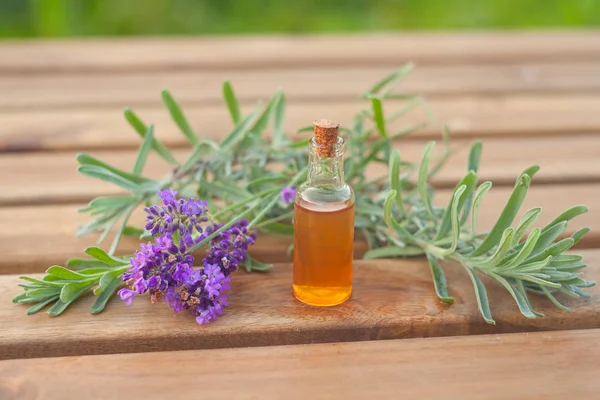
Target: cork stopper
<point>326,136</point>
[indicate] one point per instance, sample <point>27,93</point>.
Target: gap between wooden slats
<point>392,299</point>
<point>515,366</point>
<point>40,236</point>
<point>467,116</point>
<point>309,83</point>
<point>154,53</point>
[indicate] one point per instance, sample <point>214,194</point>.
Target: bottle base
<point>322,296</point>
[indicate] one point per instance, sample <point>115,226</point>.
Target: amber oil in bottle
<point>324,223</point>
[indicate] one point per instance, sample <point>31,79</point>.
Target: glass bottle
<point>324,223</point>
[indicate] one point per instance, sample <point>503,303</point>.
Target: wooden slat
<point>521,366</point>
<point>268,51</point>
<point>391,300</point>
<point>299,84</point>
<point>52,178</point>
<point>467,116</point>
<point>52,228</point>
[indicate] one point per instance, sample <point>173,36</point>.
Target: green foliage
<point>242,176</point>
<point>51,18</point>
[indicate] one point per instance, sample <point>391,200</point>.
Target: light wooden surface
<point>533,98</point>
<point>260,52</point>
<point>391,299</point>
<point>523,366</point>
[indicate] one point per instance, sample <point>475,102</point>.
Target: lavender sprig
<point>164,269</point>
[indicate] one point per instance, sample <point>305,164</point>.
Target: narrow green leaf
<point>19,297</point>
<point>394,178</point>
<point>119,232</point>
<point>88,161</point>
<point>500,252</point>
<point>278,229</point>
<point>525,250</point>
<point>523,291</point>
<point>109,286</point>
<point>506,217</point>
<point>141,129</point>
<point>566,216</point>
<point>64,273</point>
<point>454,218</point>
<point>179,118</point>
<point>526,220</point>
<point>423,174</point>
<point>36,299</point>
<point>300,143</point>
<point>532,267</point>
<point>554,250</point>
<point>378,115</point>
<point>519,299</point>
<point>73,290</point>
<point>479,195</point>
<point>44,292</point>
<point>579,234</point>
<point>40,306</point>
<point>60,306</point>
<point>144,151</point>
<point>40,282</point>
<point>278,122</point>
<point>232,102</point>
<point>481,296</point>
<point>102,256</point>
<point>105,203</point>
<point>305,129</point>
<point>553,299</point>
<point>108,176</point>
<point>262,122</point>
<point>393,251</point>
<point>387,207</point>
<point>81,263</point>
<point>252,264</point>
<point>242,129</point>
<point>469,182</point>
<point>439,280</point>
<point>531,171</point>
<point>133,231</point>
<point>390,80</point>
<point>445,155</point>
<point>472,165</point>
<point>565,259</point>
<point>548,236</point>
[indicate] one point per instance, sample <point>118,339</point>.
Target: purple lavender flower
<point>164,269</point>
<point>288,194</point>
<point>185,216</point>
<point>229,248</point>
<point>126,295</point>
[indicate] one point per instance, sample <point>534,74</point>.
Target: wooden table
<point>532,98</point>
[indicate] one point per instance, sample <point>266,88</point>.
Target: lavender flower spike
<point>164,269</point>
<point>288,194</point>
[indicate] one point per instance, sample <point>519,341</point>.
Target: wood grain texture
<point>52,178</point>
<point>520,366</point>
<point>392,299</point>
<point>262,51</point>
<point>467,116</point>
<point>52,227</point>
<point>307,83</point>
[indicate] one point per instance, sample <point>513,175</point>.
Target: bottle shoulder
<point>322,194</point>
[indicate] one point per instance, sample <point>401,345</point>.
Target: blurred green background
<point>56,18</point>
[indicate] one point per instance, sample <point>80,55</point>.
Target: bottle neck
<point>326,165</point>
